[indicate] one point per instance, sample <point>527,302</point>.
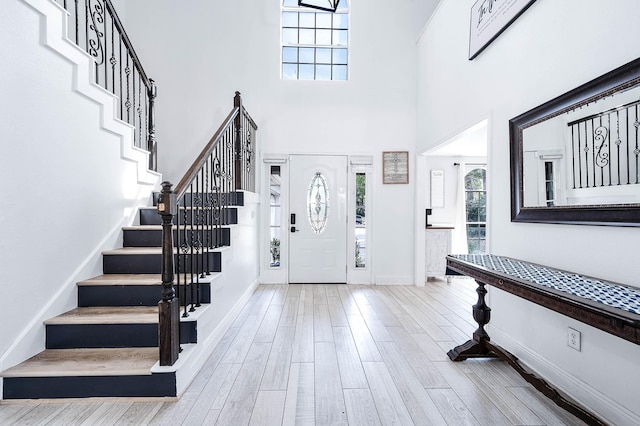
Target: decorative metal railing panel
<point>198,210</point>
<point>95,27</point>
<point>606,148</point>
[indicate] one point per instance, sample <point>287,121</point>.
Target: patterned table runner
<point>604,292</point>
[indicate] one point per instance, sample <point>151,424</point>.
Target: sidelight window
<point>275,188</point>
<point>361,222</point>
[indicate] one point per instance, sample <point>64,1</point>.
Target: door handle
<point>293,229</point>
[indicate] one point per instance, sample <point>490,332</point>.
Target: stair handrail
<point>201,204</point>
<point>98,39</point>
<point>183,184</point>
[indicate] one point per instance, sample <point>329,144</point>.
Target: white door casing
<point>318,199</point>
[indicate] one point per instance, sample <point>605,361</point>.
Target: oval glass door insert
<point>318,203</point>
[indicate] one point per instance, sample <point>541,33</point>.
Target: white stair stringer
<point>53,34</point>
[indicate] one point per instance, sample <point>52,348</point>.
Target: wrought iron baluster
<point>206,222</point>
<point>609,147</point>
<point>152,127</point>
<point>185,252</point>
<point>618,142</point>
<point>218,185</point>
<point>104,28</point>
<point>95,11</point>
<point>573,155</point>
<point>127,103</point>
<point>136,141</point>
<point>192,257</point>
<point>86,24</point>
<point>112,60</point>
<point>628,157</point>
<point>636,151</point>
<point>77,32</point>
<point>593,152</point>
<point>199,245</point>
<point>120,78</point>
<point>586,154</point>
<point>139,109</point>
<point>579,155</point>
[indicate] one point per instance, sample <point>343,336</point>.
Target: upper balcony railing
<point>605,148</point>
<point>95,27</point>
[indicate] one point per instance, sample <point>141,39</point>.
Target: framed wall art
<point>489,18</point>
<point>395,167</point>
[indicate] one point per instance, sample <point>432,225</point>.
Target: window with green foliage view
<point>361,221</point>
<point>475,183</point>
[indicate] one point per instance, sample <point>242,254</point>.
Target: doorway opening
<point>462,161</point>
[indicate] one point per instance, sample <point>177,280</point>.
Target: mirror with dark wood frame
<point>576,158</point>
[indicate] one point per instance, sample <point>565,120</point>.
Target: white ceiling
<point>422,11</point>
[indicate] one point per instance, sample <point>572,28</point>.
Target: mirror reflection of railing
<point>576,158</point>
<point>604,148</point>
<point>94,26</point>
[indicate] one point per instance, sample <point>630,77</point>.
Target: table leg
<point>478,347</point>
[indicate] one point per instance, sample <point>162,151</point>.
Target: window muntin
<point>314,43</point>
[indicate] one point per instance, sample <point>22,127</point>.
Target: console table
<point>610,307</point>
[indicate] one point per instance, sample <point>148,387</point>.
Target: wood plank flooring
<point>333,355</point>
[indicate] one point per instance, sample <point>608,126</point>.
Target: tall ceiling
<point>422,11</point>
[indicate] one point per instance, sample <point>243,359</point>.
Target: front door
<point>318,220</point>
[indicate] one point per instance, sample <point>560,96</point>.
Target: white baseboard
<point>394,280</point>
<point>585,395</point>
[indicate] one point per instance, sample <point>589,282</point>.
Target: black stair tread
<point>159,227</point>
<point>87,362</point>
<point>123,279</point>
<point>189,207</point>
<point>150,250</point>
<point>107,315</point>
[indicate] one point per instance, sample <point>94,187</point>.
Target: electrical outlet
<point>574,339</point>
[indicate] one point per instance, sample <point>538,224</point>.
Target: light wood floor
<point>334,354</point>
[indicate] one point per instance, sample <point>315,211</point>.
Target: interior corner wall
<point>66,188</point>
<point>552,48</point>
<point>202,51</point>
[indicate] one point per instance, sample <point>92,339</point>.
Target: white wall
<point>201,53</point>
<point>552,48</point>
<point>68,184</point>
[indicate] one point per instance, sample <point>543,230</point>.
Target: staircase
<point>108,345</point>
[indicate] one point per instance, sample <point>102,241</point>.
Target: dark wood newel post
<point>237,103</point>
<point>151,143</point>
<point>169,306</point>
